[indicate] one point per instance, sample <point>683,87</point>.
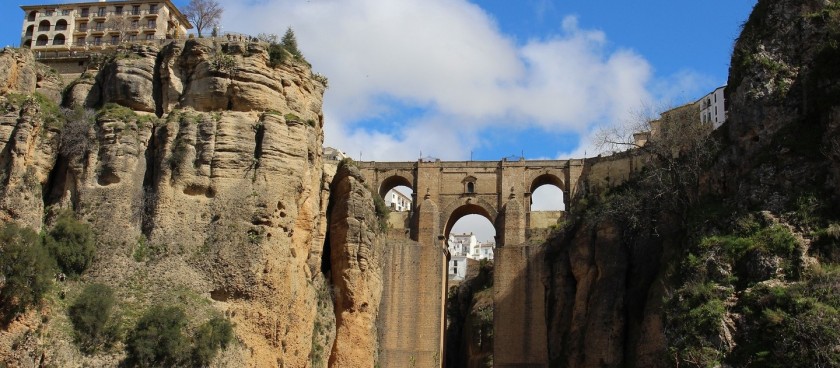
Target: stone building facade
<point>94,25</point>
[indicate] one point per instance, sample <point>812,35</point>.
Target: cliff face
<point>742,275</point>
<point>219,198</point>
<point>356,248</point>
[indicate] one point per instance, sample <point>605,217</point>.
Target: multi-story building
<point>713,108</point>
<point>397,201</point>
<point>90,25</point>
<point>463,247</point>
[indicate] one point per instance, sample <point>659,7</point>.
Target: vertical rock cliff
<point>201,174</point>
<point>356,242</point>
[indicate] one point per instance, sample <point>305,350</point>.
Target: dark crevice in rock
<point>259,135</point>
<point>157,85</point>
<point>149,195</point>
<point>57,182</point>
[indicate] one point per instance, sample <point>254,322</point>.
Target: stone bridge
<point>412,316</point>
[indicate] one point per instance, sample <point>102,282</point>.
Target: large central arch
<point>466,210</point>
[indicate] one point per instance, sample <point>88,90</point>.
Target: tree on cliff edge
<point>204,14</point>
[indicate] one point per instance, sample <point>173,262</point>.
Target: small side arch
<point>556,202</point>
<point>392,182</point>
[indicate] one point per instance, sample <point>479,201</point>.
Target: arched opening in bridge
<point>547,204</point>
<point>547,194</point>
<point>470,238</point>
<point>397,193</point>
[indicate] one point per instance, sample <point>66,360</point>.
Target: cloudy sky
<point>487,79</point>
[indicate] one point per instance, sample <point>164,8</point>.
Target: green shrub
<point>92,318</point>
<point>214,335</point>
<point>382,211</point>
<point>71,243</point>
<point>158,339</point>
<point>27,269</point>
<point>116,112</point>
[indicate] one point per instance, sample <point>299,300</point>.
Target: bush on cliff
<point>92,318</point>
<point>71,243</point>
<point>158,339</point>
<point>26,271</point>
<point>215,334</point>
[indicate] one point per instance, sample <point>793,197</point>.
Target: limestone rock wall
<point>209,186</point>
<point>356,261</point>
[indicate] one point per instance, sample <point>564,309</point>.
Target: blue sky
<point>488,79</point>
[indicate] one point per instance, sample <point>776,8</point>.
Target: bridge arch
<point>548,179</point>
<point>455,213</point>
<point>394,181</point>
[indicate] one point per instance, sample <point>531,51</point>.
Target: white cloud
<point>448,59</point>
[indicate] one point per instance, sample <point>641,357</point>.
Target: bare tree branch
<point>204,14</point>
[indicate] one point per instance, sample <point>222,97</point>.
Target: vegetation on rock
<point>71,243</point>
<point>26,271</point>
<point>92,316</point>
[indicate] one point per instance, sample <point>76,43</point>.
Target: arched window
<point>44,26</point>
<point>61,25</point>
<point>28,44</point>
<point>58,40</point>
<point>43,40</point>
<point>30,30</point>
<point>31,16</point>
<point>469,184</point>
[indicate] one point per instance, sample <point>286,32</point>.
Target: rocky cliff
<point>200,171</point>
<point>741,271</point>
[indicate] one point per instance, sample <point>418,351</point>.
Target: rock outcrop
<point>201,183</point>
<point>356,255</point>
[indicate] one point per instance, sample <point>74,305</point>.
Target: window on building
<point>135,24</point>
<point>115,40</point>
<point>61,25</point>
<point>135,10</point>
<point>80,41</point>
<point>118,10</point>
<point>153,9</point>
<point>83,27</point>
<point>151,24</point>
<point>470,187</point>
<point>65,12</point>
<point>455,263</point>
<point>58,40</point>
<point>85,12</point>
<point>48,13</point>
<point>42,40</point>
<point>31,16</point>
<point>150,37</point>
<point>102,12</point>
<point>97,41</point>
<point>44,26</point>
<point>132,38</point>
